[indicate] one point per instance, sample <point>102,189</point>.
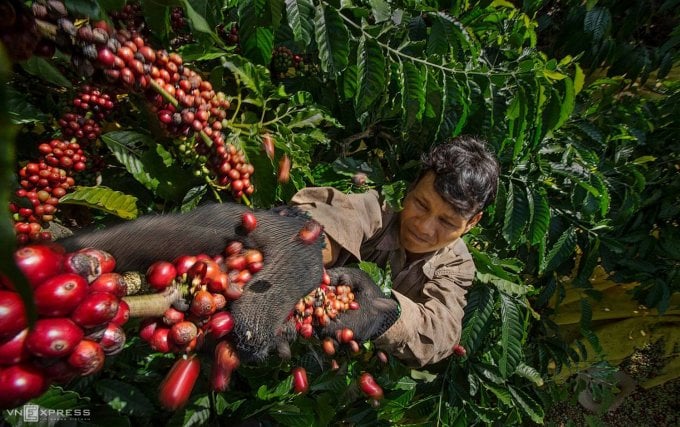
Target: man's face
<point>428,222</point>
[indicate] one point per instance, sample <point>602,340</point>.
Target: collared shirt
<point>430,289</point>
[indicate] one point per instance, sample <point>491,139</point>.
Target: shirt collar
<point>430,261</point>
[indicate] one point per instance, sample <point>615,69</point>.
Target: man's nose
<point>425,225</point>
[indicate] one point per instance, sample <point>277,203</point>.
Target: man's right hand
<point>376,312</point>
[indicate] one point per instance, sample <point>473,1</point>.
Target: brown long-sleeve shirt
<point>430,290</point>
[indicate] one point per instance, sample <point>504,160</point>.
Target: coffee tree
<point>118,109</point>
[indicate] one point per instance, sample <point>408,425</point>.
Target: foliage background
<point>579,100</point>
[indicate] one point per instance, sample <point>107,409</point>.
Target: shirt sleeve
<point>349,219</point>
<point>426,331</point>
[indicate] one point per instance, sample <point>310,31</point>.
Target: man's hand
<point>376,312</point>
<point>292,268</point>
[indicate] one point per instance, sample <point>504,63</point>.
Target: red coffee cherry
<point>176,388</point>
<point>58,296</point>
<point>97,308</point>
<point>300,381</point>
<point>53,337</point>
<point>160,275</point>
<point>249,221</point>
<point>38,262</point>
<point>87,357</point>
<point>12,314</point>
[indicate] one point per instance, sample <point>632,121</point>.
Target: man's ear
<point>473,221</point>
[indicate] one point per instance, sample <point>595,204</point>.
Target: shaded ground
<point>657,407</point>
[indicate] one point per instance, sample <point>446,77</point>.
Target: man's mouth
<point>416,236</point>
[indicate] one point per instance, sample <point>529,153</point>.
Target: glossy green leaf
<point>511,335</point>
<point>195,413</point>
<point>104,199</point>
<point>149,163</point>
<point>530,373</point>
<point>300,15</point>
<point>568,102</point>
<point>478,312</point>
<point>371,73</point>
<point>197,21</point>
<point>380,10</point>
<point>561,251</point>
<point>43,69</point>
<point>528,405</point>
<point>412,93</point>
<point>597,22</point>
<point>516,214</point>
<point>540,220</point>
<point>256,37</point>
<point>332,38</point>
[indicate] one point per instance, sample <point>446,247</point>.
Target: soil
<point>658,407</point>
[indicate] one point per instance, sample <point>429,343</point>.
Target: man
<point>420,324</point>
<point>431,266</point>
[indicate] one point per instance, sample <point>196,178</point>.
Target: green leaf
<point>512,327</point>
<point>394,194</point>
<point>579,78</point>
<point>597,22</point>
<point>371,72</point>
<point>157,17</point>
<point>380,10</point>
<point>300,15</point>
<point>478,311</point>
<point>412,94</point>
<point>332,39</point>
<point>540,220</point>
<point>568,102</point>
<point>41,68</point>
<point>197,21</point>
<point>254,77</point>
<point>104,199</point>
<point>528,405</point>
<point>504,285</point>
<point>561,251</point>
<point>291,416</point>
<point>21,111</point>
<point>196,413</point>
<point>149,163</point>
<point>124,397</point>
<point>585,325</point>
<point>349,82</point>
<point>516,214</point>
<point>438,40</point>
<point>255,34</point>
<point>500,392</point>
<point>526,371</point>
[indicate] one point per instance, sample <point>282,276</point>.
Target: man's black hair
<point>466,173</point>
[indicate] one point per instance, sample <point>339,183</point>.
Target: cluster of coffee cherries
<point>210,282</point>
<point>42,184</point>
<point>80,309</point>
<point>48,178</point>
<point>230,36</point>
<point>284,61</point>
<point>130,16</point>
<point>185,104</point>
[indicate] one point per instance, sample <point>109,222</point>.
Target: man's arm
<point>427,330</point>
<point>348,219</point>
